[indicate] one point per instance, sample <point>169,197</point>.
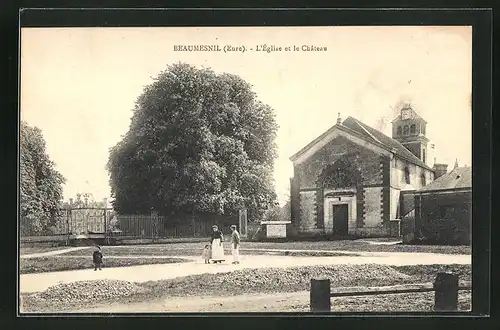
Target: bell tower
<point>409,129</point>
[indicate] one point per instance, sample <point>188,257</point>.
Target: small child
<point>206,254</point>
<point>97,258</point>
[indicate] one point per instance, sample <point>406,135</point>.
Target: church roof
<point>459,178</point>
<point>375,136</point>
<point>371,135</point>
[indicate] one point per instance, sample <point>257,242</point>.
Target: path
<point>52,253</point>
<point>41,281</point>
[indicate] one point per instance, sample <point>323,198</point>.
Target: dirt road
<point>41,281</point>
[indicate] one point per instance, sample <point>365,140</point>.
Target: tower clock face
<point>405,114</point>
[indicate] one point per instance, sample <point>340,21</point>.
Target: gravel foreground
<point>71,296</point>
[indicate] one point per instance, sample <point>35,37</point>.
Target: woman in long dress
<point>217,247</point>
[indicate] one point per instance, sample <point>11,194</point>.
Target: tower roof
<point>413,112</point>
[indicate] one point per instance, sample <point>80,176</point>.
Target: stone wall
<point>294,202</point>
<point>382,230</point>
<point>373,207</point>
<point>307,210</point>
<point>398,174</point>
<point>366,161</point>
<point>450,227</point>
<point>387,202</point>
<point>394,211</point>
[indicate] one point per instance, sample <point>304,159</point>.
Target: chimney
<point>439,170</point>
<point>339,120</point>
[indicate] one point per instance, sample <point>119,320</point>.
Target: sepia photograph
<point>245,169</point>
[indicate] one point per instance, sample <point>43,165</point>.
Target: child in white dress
<point>206,254</point>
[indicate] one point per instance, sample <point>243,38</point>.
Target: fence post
<point>320,295</point>
<point>106,238</point>
<point>446,292</point>
<point>152,222</point>
<point>68,223</point>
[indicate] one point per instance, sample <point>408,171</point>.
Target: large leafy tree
<point>40,183</point>
<point>198,142</point>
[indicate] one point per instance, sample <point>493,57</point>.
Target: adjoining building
<point>443,209</point>
<point>348,181</point>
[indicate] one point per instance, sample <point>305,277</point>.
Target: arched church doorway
<point>339,182</point>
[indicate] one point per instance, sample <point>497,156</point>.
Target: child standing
<point>235,244</point>
<point>97,258</point>
<point>206,254</point>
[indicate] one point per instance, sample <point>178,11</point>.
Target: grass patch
<point>427,273</point>
<point>361,245</point>
<point>40,249</point>
<point>405,302</point>
<point>61,263</point>
<point>165,251</point>
<point>194,249</point>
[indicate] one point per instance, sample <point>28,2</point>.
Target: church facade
<point>348,181</point>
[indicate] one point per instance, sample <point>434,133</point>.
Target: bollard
<point>446,292</point>
<point>320,295</point>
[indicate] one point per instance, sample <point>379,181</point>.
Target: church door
<point>340,219</point>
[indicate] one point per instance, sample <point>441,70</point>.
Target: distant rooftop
<point>458,178</point>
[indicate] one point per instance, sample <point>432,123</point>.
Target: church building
<point>348,180</point>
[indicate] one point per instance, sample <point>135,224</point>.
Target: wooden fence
<point>445,286</point>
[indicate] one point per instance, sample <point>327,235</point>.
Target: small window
<point>423,155</point>
<point>412,129</point>
<point>422,179</point>
<point>422,129</point>
<point>399,130</point>
<point>407,175</point>
<point>406,130</point>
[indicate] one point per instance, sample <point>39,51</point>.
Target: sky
<point>79,85</point>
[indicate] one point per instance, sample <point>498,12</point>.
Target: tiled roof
<point>380,138</point>
<point>459,178</point>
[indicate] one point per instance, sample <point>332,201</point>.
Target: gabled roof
<point>371,135</point>
<point>374,135</point>
<point>458,178</point>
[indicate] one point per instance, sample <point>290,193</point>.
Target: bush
<point>273,214</point>
<point>278,213</point>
